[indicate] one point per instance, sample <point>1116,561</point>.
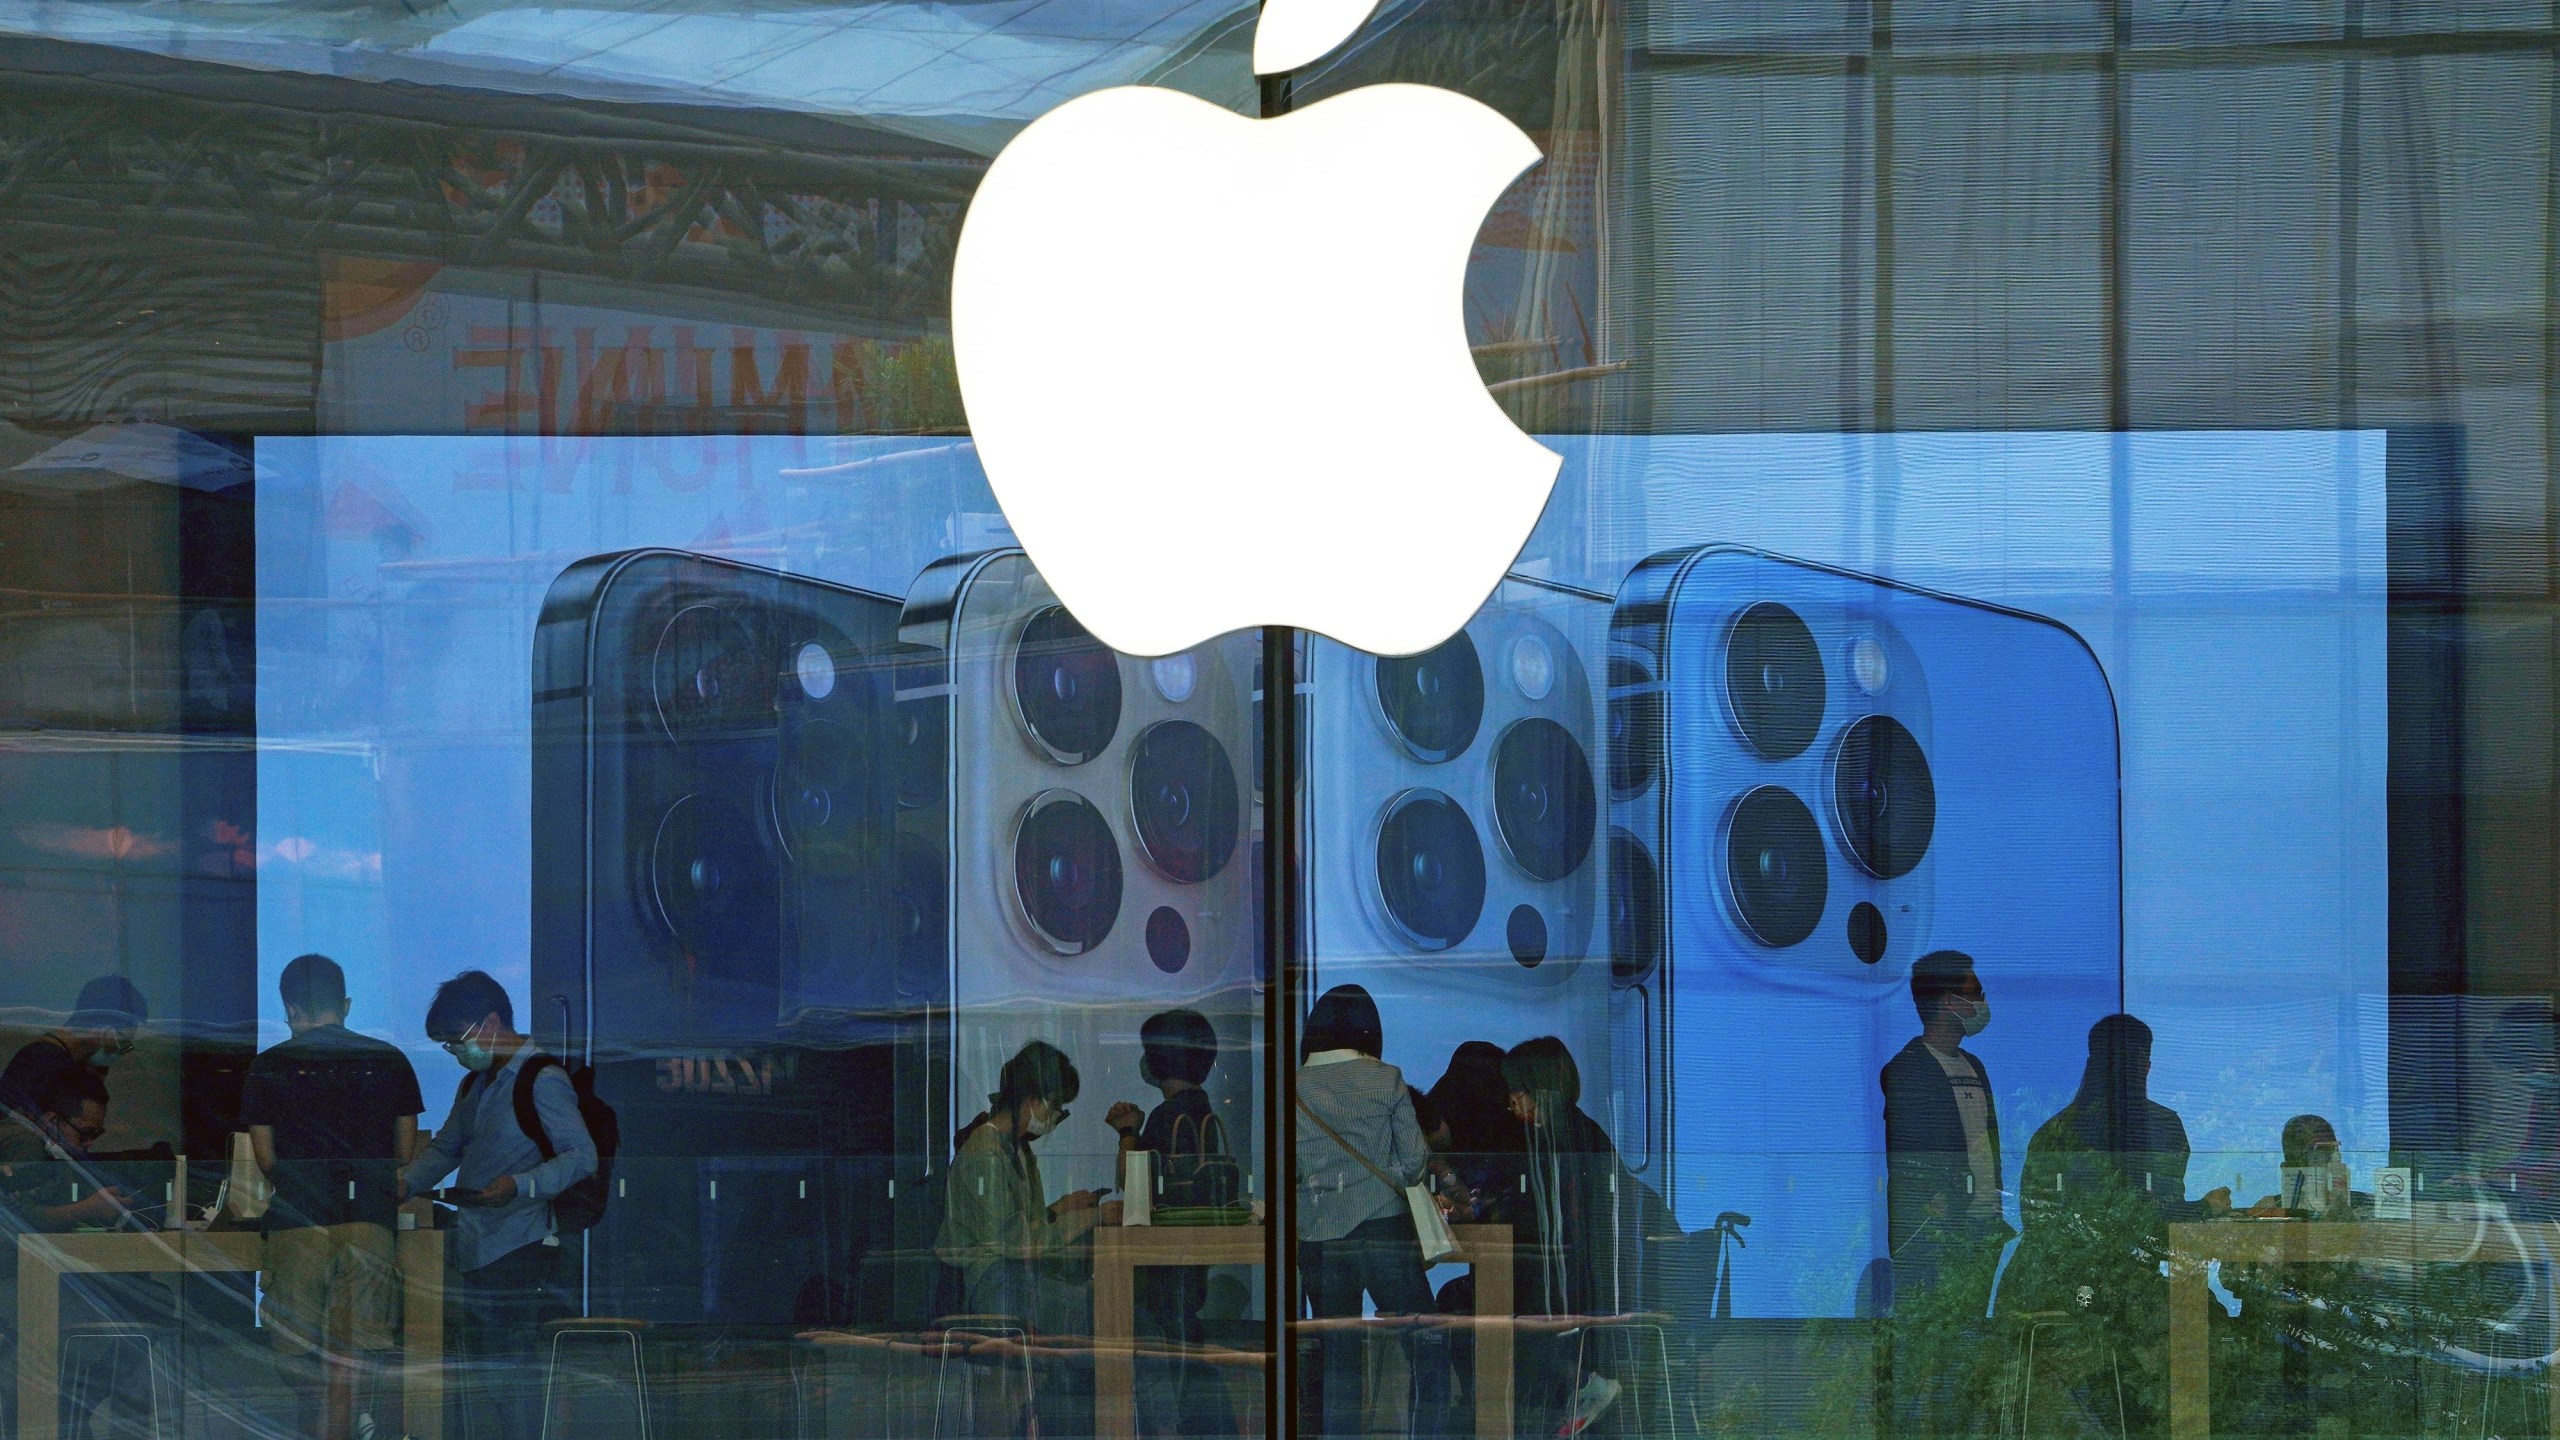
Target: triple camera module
<point>1432,873</point>
<point>1183,805</point>
<point>1880,798</point>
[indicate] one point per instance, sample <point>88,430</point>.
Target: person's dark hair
<point>314,985</point>
<point>461,1002</point>
<point>2115,1094</point>
<point>1475,1100</point>
<point>1543,1069</point>
<point>1426,1116</point>
<point>1037,1071</point>
<point>1937,975</point>
<point>2301,1133</point>
<point>1344,1018</point>
<point>1180,1045</point>
<point>110,1002</point>
<point>68,1091</point>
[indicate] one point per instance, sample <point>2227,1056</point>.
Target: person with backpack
<point>1191,1170</point>
<point>331,1116</point>
<point>526,1158</point>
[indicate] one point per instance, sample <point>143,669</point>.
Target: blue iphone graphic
<point>1826,776</point>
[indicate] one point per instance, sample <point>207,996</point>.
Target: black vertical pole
<point>1280,946</point>
<point>1280,1001</point>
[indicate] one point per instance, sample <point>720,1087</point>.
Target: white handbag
<point>1429,1225</point>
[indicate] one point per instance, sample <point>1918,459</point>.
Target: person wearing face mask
<point>504,1250</point>
<point>2316,1182</point>
<point>1019,1255</point>
<point>100,1028</point>
<point>1941,1127</point>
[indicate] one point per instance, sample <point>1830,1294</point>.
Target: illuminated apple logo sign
<point>1217,368</point>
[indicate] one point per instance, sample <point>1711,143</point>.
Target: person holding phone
<point>505,1250</point>
<point>41,1146</point>
<point>1019,1255</point>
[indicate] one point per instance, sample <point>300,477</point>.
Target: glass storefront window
<point>1985,868</point>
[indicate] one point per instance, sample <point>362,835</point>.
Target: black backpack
<point>581,1205</point>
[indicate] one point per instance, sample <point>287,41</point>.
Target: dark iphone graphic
<point>721,925</point>
<point>1817,777</point>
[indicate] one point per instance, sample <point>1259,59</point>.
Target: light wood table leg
<point>421,1257</point>
<point>1115,1326</point>
<point>2190,1352</point>
<point>39,1344</point>
<point>1494,1339</point>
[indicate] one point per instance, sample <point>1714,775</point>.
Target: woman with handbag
<point>1361,1156</point>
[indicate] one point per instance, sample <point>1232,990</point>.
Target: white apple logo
<point>1217,368</point>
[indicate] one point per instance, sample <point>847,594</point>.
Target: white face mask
<point>1977,1017</point>
<point>1038,1119</point>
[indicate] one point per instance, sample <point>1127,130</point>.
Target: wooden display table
<point>1118,1252</point>
<point>44,1259</point>
<point>2427,1241</point>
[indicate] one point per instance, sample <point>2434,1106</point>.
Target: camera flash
<point>1867,664</point>
<point>1533,667</point>
<point>1175,676</point>
<point>816,670</point>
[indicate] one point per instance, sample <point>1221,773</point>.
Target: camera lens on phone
<point>1635,726</point>
<point>1773,680</point>
<point>1435,700</point>
<point>709,676</point>
<point>1543,803</point>
<point>1183,801</point>
<point>1430,868</point>
<point>1883,796</point>
<point>1168,939</point>
<point>1526,933</point>
<point>1774,867</point>
<point>1066,686</point>
<point>1866,932</point>
<point>1066,870</point>
<point>920,920</point>
<point>710,878</point>
<point>1635,910</point>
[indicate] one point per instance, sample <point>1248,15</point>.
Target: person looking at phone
<point>332,1115</point>
<point>1358,1146</point>
<point>1019,1255</point>
<point>1569,1231</point>
<point>1190,1168</point>
<point>40,1147</point>
<point>100,1027</point>
<point>504,1247</point>
<point>34,1148</point>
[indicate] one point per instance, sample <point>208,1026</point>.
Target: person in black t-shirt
<point>332,1116</point>
<point>1189,1148</point>
<point>100,1027</point>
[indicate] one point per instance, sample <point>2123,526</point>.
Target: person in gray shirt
<point>505,1260</point>
<point>1355,1230</point>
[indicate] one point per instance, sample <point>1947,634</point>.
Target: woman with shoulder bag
<point>1359,1149</point>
